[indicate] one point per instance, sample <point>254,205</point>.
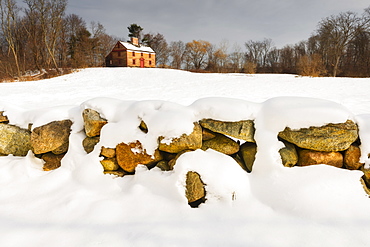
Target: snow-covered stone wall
<point>155,134</point>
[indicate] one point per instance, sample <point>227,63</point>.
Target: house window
<point>150,62</point>
<point>142,54</point>
<point>133,61</point>
<point>150,55</point>
<point>119,54</point>
<point>133,54</point>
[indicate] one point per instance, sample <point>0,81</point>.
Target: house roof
<point>141,48</point>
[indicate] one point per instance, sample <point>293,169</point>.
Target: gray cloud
<point>284,21</point>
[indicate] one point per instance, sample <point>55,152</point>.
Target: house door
<point>141,62</point>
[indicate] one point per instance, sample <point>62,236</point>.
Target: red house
<point>131,54</point>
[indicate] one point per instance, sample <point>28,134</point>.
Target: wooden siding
<point>136,56</point>
<point>122,57</point>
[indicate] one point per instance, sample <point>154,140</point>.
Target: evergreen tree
<point>135,31</point>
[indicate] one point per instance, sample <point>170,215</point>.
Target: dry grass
<point>311,66</point>
<point>45,74</point>
<point>199,71</point>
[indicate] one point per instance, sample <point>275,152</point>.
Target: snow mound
<point>299,190</point>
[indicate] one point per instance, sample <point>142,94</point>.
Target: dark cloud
<point>284,21</point>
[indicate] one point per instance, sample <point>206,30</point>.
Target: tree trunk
<point>336,65</point>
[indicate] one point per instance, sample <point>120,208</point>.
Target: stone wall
<point>333,144</point>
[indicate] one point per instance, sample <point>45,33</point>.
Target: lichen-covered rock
<point>130,155</point>
<point>352,158</point>
<point>143,127</point>
<point>208,135</point>
<point>195,188</point>
<point>50,137</point>
<point>109,164</point>
<point>163,165</point>
<point>366,178</point>
<point>310,157</point>
<point>52,161</point>
<point>192,141</point>
<point>365,186</point>
<point>248,151</point>
<point>328,138</point>
<point>3,119</point>
<point>221,144</point>
<point>14,140</point>
<point>93,122</point>
<point>243,130</point>
<point>62,149</point>
<point>168,156</point>
<point>89,143</point>
<point>108,152</point>
<point>289,155</point>
<point>366,172</point>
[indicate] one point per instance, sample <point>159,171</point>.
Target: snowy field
<point>76,205</point>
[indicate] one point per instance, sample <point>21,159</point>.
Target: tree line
<point>340,46</point>
<point>41,37</point>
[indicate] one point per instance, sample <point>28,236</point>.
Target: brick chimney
<point>135,41</point>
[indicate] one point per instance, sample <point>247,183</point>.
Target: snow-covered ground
<point>76,205</point>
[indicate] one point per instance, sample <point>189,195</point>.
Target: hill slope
<point>182,87</point>
<point>76,205</point>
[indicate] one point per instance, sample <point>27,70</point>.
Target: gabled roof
<point>141,48</point>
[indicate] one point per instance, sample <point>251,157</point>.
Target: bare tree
<point>273,60</point>
<point>254,51</point>
<point>45,23</point>
<point>196,52</point>
<point>31,24</point>
<point>52,27</point>
<point>177,51</point>
<point>159,44</point>
<point>287,59</point>
<point>236,58</point>
<point>210,64</point>
<point>221,56</point>
<point>356,61</point>
<point>9,20</point>
<point>266,47</point>
<point>337,32</point>
<point>101,44</point>
<point>313,45</point>
<point>257,51</point>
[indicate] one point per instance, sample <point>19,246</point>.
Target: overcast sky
<point>284,21</point>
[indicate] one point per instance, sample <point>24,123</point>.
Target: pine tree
<point>135,31</point>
